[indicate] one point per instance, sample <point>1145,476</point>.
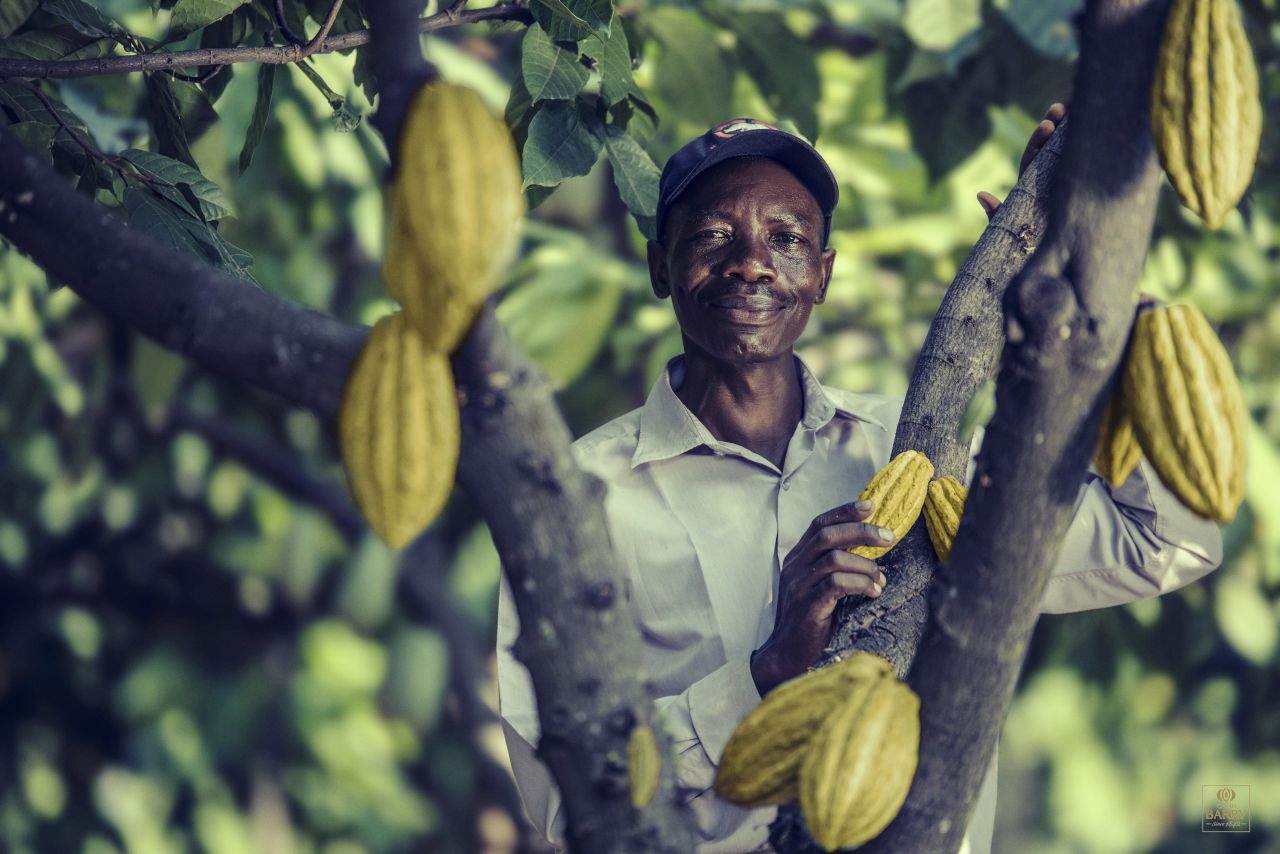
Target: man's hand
<point>1044,130</point>
<point>817,574</point>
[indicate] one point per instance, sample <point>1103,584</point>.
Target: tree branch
<point>577,638</point>
<point>1066,320</point>
<point>62,69</point>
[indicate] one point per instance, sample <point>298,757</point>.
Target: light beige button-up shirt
<point>701,528</point>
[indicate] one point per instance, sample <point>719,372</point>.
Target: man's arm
<point>1132,542</point>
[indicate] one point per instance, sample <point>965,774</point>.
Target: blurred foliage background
<point>202,648</point>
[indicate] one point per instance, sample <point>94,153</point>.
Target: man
<point>721,488</point>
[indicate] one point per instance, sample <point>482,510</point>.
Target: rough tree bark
<point>1066,318</point>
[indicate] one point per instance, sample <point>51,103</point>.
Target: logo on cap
<point>737,126</point>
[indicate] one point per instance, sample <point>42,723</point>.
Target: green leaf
<point>978,411</point>
<point>562,308</point>
<point>14,13</point>
<point>261,110</point>
<point>635,115</point>
<point>161,221</point>
<point>213,202</point>
<point>613,61</point>
<point>519,112</point>
<point>550,72</point>
<point>939,24</point>
<point>784,67</point>
<point>190,15</point>
<point>693,74</point>
<point>84,18</point>
<point>635,175</point>
<point>194,107</point>
<point>573,20</point>
<point>54,44</point>
<point>560,145</point>
<point>1046,25</point>
<point>37,136</point>
<point>164,114</point>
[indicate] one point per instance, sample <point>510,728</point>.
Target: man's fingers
<point>843,562</point>
<point>851,534</point>
<point>1057,112</point>
<point>989,203</point>
<point>838,585</point>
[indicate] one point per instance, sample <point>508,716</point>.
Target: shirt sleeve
<point>699,720</point>
<point>1124,544</point>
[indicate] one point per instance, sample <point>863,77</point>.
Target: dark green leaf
<point>550,72</point>
<point>83,17</point>
<point>213,202</point>
<point>164,114</point>
<point>784,67</point>
<point>560,145</point>
<point>693,75</point>
<point>613,61</point>
<point>194,107</point>
<point>519,112</point>
<point>362,74</point>
<point>217,249</point>
<point>634,173</point>
<point>261,110</point>
<point>573,20</point>
<point>59,43</point>
<point>162,221</point>
<point>37,136</point>
<point>637,117</point>
<point>1045,24</point>
<point>235,29</point>
<point>14,13</point>
<point>191,15</point>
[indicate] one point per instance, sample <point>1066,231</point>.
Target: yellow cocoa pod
<point>859,764</point>
<point>1118,453</point>
<point>644,765</point>
<point>942,511</point>
<point>456,205</point>
<point>1187,410</point>
<point>1206,116</point>
<point>899,491</point>
<point>762,757</point>
<point>399,431</point>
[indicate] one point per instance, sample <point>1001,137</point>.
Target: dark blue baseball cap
<point>748,138</point>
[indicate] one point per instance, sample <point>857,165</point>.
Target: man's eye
<point>789,238</point>
<point>711,234</point>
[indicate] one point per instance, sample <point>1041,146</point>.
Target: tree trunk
<point>1067,317</point>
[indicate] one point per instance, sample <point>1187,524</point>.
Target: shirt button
<point>786,485</point>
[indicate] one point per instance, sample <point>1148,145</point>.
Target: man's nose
<point>748,259</point>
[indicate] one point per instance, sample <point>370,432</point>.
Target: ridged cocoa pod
<point>1206,116</point>
<point>1118,453</point>
<point>1187,410</point>
<point>942,511</point>
<point>399,430</point>
<point>763,756</point>
<point>899,491</point>
<point>644,765</point>
<point>859,765</point>
<point>456,204</point>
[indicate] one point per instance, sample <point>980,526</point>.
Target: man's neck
<point>756,406</point>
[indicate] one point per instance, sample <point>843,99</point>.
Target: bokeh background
<point>201,647</point>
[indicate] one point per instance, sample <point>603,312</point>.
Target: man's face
<point>742,261</point>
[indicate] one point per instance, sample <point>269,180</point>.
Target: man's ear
<point>826,263</point>
<point>656,255</point>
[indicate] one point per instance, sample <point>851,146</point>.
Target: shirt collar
<point>668,429</point>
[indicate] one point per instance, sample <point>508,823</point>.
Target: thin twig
<point>90,149</point>
<point>199,79</point>
<point>283,26</point>
<point>63,69</point>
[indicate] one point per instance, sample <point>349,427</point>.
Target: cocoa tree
<point>1051,280</point>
